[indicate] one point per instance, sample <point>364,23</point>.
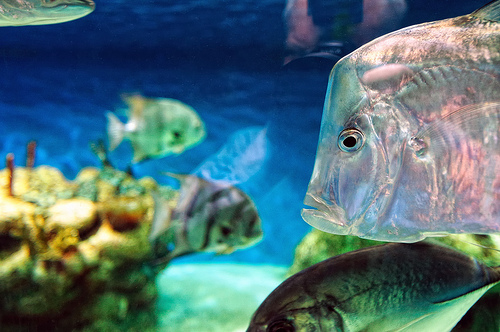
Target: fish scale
<point>422,106</point>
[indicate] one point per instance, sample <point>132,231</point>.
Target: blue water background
<point>221,57</point>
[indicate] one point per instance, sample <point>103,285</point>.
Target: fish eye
<point>282,325</point>
<point>177,134</point>
<point>226,231</point>
<point>350,140</point>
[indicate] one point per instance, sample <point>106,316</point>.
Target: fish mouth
<point>325,217</point>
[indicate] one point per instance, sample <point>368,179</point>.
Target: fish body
<point>410,137</point>
<point>390,287</point>
<point>156,127</point>
<point>41,12</point>
<point>208,217</point>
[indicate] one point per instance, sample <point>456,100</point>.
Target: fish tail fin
<point>116,131</point>
<point>161,217</point>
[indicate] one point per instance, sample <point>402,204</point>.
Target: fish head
<point>58,11</point>
<point>236,221</point>
<point>186,131</point>
<point>293,307</point>
<point>358,157</point>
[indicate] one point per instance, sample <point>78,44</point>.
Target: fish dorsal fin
<point>136,103</point>
<point>387,78</point>
<point>179,177</point>
<point>473,117</point>
<point>490,11</point>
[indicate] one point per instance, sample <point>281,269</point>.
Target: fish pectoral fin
<point>490,12</point>
<point>226,251</point>
<point>476,116</point>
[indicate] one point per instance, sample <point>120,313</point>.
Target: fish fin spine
<point>490,11</point>
<point>116,131</point>
<point>161,218</point>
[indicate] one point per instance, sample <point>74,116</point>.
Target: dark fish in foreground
<point>156,127</point>
<point>41,12</point>
<point>391,287</point>
<point>410,138</point>
<point>207,217</point>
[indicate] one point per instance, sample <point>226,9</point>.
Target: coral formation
<point>72,253</point>
<point>483,316</point>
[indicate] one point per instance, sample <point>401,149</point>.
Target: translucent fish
<point>410,137</point>
<point>41,12</point>
<point>391,287</point>
<point>239,159</point>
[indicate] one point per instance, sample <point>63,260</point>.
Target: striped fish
<point>41,12</point>
<point>207,217</point>
<point>410,138</point>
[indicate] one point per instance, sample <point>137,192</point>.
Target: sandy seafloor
<point>222,58</point>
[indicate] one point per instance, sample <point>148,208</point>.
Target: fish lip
<point>323,216</point>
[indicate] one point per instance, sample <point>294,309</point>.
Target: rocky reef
<point>482,317</point>
<point>72,253</point>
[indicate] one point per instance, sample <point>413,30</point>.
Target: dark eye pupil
<point>226,231</point>
<point>349,142</point>
<point>177,134</point>
<point>282,329</point>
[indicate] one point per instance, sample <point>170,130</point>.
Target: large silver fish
<point>391,287</point>
<point>410,137</point>
<point>156,127</point>
<point>207,217</point>
<point>41,12</point>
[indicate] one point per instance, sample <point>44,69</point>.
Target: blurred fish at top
<point>391,287</point>
<point>156,127</point>
<point>206,217</point>
<point>409,145</point>
<point>323,27</point>
<point>243,155</point>
<point>41,12</point>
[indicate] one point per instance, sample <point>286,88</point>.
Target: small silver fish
<point>390,287</point>
<point>410,138</point>
<point>41,12</point>
<point>208,217</point>
<point>156,127</point>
